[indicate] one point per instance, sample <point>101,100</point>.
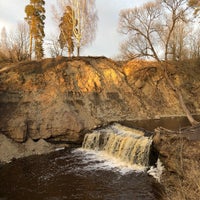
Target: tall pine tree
<point>66,31</point>
<point>35,16</point>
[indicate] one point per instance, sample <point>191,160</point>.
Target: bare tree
<point>14,46</point>
<point>4,47</point>
<point>20,42</point>
<point>151,28</point>
<point>178,45</point>
<point>142,26</point>
<point>53,46</point>
<point>194,44</point>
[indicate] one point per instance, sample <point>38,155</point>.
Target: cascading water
<point>125,144</point>
<point>86,174</point>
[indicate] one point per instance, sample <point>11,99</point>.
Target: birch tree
<point>84,20</point>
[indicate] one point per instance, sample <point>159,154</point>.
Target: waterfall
<point>125,144</point>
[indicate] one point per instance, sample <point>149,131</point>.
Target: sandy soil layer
<point>10,150</point>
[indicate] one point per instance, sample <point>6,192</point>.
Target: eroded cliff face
<point>61,98</point>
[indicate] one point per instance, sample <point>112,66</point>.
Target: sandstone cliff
<point>59,99</point>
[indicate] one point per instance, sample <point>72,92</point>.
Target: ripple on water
<point>73,174</point>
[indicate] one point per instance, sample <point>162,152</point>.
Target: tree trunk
<point>180,97</point>
<point>78,51</point>
<point>30,47</point>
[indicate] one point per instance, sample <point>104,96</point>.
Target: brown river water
<point>75,174</point>
<point>71,174</point>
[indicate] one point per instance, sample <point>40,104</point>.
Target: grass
<point>180,155</point>
<point>187,188</point>
<point>184,185</point>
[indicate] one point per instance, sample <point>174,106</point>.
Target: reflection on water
<point>72,174</point>
<point>172,123</point>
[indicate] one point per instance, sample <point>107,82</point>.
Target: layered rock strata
<point>60,99</point>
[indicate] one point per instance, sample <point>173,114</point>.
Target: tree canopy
<point>35,16</point>
<point>155,30</point>
<point>66,31</point>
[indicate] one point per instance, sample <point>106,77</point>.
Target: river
<point>72,174</point>
<point>76,174</point>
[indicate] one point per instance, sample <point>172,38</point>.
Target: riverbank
<point>10,150</point>
<point>179,153</point>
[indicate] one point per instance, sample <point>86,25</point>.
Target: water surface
<point>76,175</point>
<point>172,123</point>
<point>72,174</point>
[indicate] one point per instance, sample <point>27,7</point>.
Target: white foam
<point>120,143</point>
<point>59,148</point>
<point>119,129</point>
<point>101,161</point>
<point>157,171</point>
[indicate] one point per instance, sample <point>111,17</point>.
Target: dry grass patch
<point>184,188</point>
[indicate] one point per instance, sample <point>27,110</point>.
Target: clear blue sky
<point>107,39</point>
